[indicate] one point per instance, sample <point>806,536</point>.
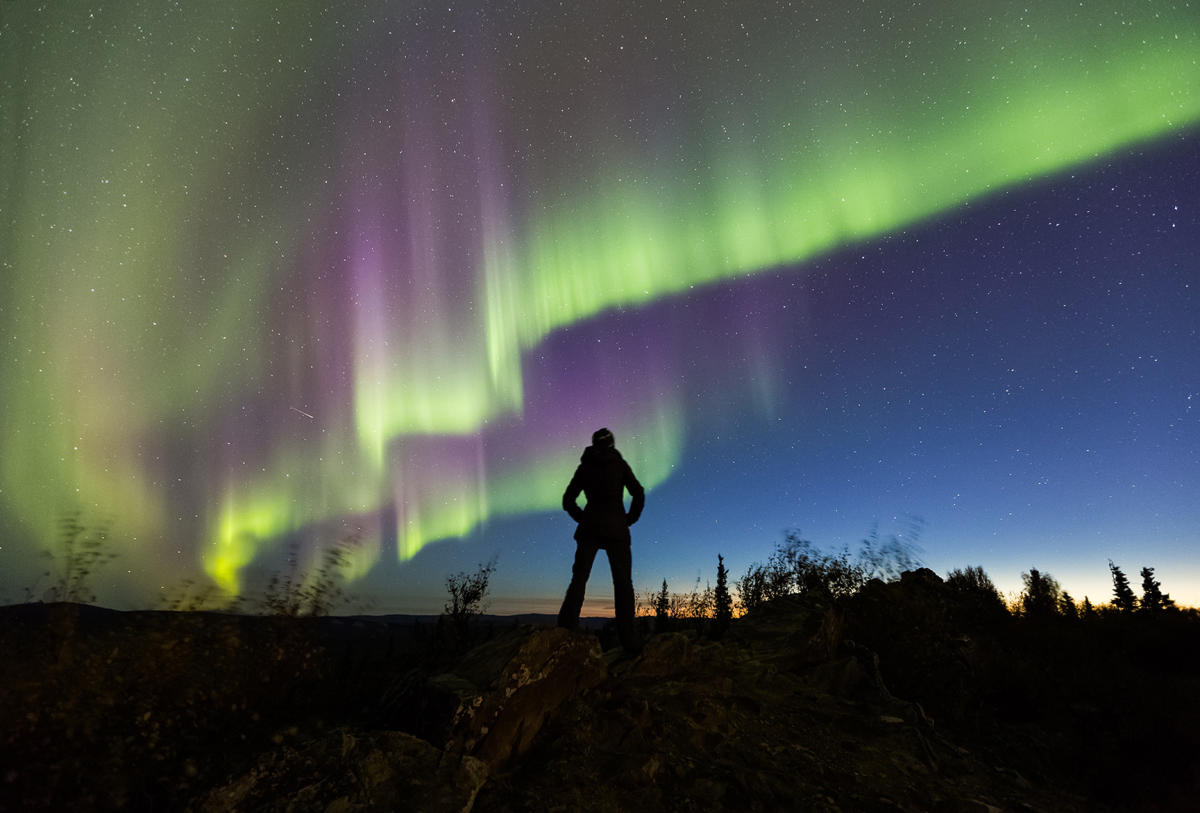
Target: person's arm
<point>572,494</point>
<point>637,493</point>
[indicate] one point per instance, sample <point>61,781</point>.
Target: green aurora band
<point>161,164</point>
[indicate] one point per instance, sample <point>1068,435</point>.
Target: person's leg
<point>620,561</point>
<point>568,614</point>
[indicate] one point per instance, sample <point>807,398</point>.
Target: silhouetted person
<point>603,476</point>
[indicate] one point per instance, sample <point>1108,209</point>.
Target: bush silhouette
<point>81,552</point>
<point>468,595</point>
<point>312,593</point>
<point>977,599</point>
<point>798,567</point>
<point>1042,595</point>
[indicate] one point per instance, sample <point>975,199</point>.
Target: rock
<point>506,689</point>
<point>921,575</point>
<point>854,678</point>
<point>911,625</point>
<point>759,721</point>
<point>345,772</point>
<point>804,704</point>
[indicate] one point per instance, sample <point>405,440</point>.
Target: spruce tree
<point>1123,597</point>
<point>1066,606</point>
<point>662,608</point>
<point>722,599</point>
<point>1153,598</point>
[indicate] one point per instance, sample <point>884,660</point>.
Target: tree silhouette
<point>662,607</point>
<point>1042,594</point>
<point>1067,607</point>
<point>1154,600</point>
<point>1123,597</point>
<point>722,599</point>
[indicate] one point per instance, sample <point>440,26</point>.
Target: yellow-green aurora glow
<point>278,272</point>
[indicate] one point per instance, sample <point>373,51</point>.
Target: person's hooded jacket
<point>603,476</point>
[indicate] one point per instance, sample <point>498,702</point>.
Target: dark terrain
<point>901,697</point>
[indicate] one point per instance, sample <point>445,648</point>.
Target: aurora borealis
<point>279,276</point>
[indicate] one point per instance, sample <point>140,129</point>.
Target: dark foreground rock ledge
<point>908,695</point>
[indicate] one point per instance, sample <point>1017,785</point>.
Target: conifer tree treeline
<point>797,567</point>
<point>1044,597</point>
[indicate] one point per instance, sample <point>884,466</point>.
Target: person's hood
<point>599,454</point>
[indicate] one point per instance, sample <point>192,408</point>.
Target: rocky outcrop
<point>786,712</point>
<point>767,719</point>
<point>915,629</point>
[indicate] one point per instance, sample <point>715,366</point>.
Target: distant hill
<point>531,619</point>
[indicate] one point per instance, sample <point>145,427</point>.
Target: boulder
<point>853,678</point>
<point>498,696</point>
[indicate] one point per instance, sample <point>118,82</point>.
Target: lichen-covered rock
<point>537,673</point>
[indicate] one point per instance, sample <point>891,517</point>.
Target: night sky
<point>272,278</point>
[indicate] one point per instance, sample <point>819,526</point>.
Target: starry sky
<point>271,278</point>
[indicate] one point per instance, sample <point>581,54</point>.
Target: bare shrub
<point>468,594</point>
<point>309,593</point>
<point>81,552</point>
<point>797,566</point>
